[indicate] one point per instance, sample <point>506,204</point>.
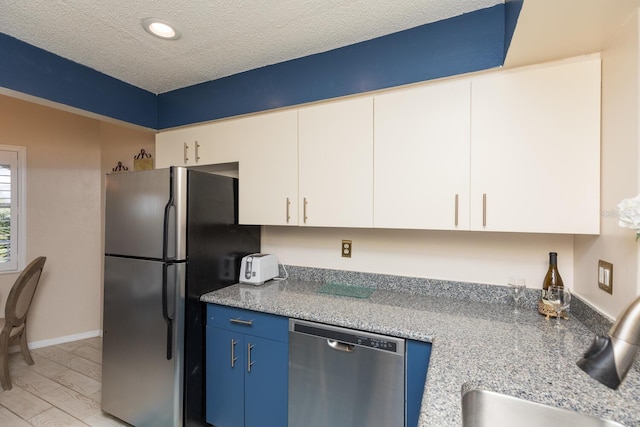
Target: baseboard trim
<point>59,340</point>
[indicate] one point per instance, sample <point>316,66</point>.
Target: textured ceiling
<point>219,37</point>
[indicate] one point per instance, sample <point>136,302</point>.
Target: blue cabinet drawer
<point>248,322</point>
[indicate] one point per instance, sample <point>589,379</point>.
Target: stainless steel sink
<point>482,408</point>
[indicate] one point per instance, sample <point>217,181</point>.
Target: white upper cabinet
<point>177,147</point>
<point>199,145</point>
<point>268,169</point>
<point>335,154</point>
<point>266,149</point>
<point>535,149</point>
<point>515,151</point>
<point>421,157</point>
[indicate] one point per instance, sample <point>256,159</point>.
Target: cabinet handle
<point>233,352</point>
<point>288,207</point>
<point>197,149</point>
<point>242,322</point>
<point>456,211</point>
<point>304,210</point>
<point>484,209</point>
<point>186,153</point>
<point>249,362</point>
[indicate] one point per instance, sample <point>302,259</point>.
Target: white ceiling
<point>225,37</point>
<point>219,37</point>
<point>554,29</point>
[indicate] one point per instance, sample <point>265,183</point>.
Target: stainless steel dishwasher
<point>343,377</point>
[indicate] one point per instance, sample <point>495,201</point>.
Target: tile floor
<point>62,388</point>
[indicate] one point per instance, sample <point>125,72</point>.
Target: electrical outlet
<point>346,248</point>
<point>605,276</point>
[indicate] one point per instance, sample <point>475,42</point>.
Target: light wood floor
<point>62,388</point>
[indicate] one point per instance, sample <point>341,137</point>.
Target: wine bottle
<point>552,278</point>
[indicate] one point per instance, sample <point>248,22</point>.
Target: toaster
<point>258,268</point>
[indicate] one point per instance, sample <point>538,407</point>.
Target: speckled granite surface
<point>475,345</point>
<point>459,290</point>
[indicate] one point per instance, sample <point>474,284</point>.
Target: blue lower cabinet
<point>225,378</point>
<point>266,385</point>
<point>246,375</point>
<point>417,360</point>
<point>248,369</point>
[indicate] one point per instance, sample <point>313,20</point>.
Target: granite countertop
<point>475,345</point>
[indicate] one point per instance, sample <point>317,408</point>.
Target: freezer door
<point>143,341</point>
<point>141,209</point>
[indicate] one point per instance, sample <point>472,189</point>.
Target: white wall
<point>64,210</point>
<point>120,143</point>
<point>620,179</point>
<point>63,215</point>
<point>450,255</point>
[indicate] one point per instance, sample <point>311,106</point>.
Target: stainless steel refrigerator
<point>170,236</point>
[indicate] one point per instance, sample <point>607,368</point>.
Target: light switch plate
<point>605,276</point>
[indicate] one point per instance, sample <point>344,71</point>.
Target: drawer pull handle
<point>242,322</point>
<point>233,352</point>
<point>484,210</point>
<point>197,150</point>
<point>186,153</point>
<point>249,362</point>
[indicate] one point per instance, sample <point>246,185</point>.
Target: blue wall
<point>465,43</point>
<point>28,69</point>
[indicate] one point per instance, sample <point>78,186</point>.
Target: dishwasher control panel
<point>377,343</point>
<point>348,336</point>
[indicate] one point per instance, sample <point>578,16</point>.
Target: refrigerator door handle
<point>168,317</point>
<point>168,209</point>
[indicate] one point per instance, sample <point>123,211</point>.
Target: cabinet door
<point>421,157</point>
<point>269,169</point>
<point>199,145</point>
<point>221,142</point>
<point>266,383</point>
<point>535,149</point>
<point>175,148</point>
<point>417,360</point>
<point>336,164</point>
<point>226,361</point>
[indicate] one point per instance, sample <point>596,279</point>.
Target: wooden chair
<point>14,325</point>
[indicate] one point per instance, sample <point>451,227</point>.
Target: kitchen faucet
<point>609,358</point>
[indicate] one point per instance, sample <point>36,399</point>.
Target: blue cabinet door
<point>266,383</point>
<point>247,369</point>
<point>226,364</point>
<point>418,354</point>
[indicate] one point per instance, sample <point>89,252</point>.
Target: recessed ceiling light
<point>160,28</point>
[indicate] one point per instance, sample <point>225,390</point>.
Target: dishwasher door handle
<point>340,346</point>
